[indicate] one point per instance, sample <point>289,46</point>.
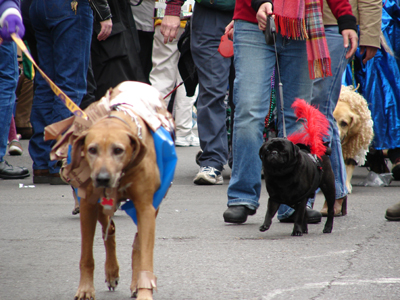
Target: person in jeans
<point>254,65</point>
<point>63,36</point>
<point>325,92</point>
<point>10,22</point>
<point>207,27</point>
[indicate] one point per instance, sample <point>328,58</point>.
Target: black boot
<point>237,214</point>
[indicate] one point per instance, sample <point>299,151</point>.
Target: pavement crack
<point>359,249</point>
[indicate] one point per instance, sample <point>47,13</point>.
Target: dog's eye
<point>118,151</point>
<point>343,124</point>
<point>92,150</point>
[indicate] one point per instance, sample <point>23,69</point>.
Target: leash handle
<point>280,89</point>
<point>64,98</point>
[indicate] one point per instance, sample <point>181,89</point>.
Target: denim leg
<point>325,96</point>
<point>207,27</point>
<point>8,83</point>
<point>254,63</point>
<point>63,40</point>
<point>296,83</point>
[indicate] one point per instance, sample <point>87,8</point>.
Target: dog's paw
<point>264,228</point>
<point>112,274</point>
<point>297,233</point>
<point>327,229</point>
<point>142,294</point>
<point>85,292</point>
<point>112,283</point>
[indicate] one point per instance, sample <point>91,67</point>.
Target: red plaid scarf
<point>302,19</point>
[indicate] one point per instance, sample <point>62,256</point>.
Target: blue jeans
<point>8,83</point>
<point>63,43</point>
<point>325,96</point>
<point>254,64</point>
<point>207,27</point>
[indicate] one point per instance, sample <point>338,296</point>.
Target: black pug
<point>295,167</point>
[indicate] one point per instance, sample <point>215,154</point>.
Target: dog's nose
<point>274,152</point>
<point>103,179</point>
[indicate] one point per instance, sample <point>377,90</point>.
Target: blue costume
<point>379,81</point>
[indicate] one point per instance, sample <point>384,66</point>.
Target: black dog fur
<point>290,179</point>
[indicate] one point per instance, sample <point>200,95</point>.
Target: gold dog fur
<point>355,145</point>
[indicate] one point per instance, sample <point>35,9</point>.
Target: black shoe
<point>312,215</point>
<point>237,214</point>
<point>9,172</point>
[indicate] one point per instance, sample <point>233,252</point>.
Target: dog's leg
<point>111,266</point>
<point>328,189</point>
<point>88,220</point>
<point>349,172</point>
<point>271,211</point>
<point>143,279</point>
<point>300,219</point>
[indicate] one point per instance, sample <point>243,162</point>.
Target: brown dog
<point>113,159</point>
<point>123,165</point>
<point>355,129</point>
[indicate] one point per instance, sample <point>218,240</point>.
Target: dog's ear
<point>355,123</point>
<point>296,150</point>
<point>76,151</point>
<point>140,150</point>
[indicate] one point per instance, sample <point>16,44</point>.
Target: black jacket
<point>101,10</point>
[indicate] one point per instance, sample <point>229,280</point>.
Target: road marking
<point>320,285</point>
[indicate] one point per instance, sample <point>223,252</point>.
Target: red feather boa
<point>315,125</point>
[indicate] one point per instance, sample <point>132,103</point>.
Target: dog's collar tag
<point>107,203</point>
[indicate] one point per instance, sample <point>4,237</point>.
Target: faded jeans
<point>254,63</point>
<point>325,96</point>
<point>8,83</point>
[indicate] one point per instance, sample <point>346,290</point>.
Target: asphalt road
<point>197,255</point>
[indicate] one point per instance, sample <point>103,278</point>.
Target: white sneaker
<point>208,176</point>
<point>187,141</point>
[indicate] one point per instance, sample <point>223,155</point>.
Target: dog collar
<point>132,115</point>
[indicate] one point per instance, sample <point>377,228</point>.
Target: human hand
<point>229,29</point>
<point>12,24</point>
<point>349,35</point>
<point>262,13</point>
<point>169,27</point>
<point>369,52</point>
<point>106,28</point>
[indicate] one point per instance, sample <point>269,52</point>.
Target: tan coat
<point>369,16</point>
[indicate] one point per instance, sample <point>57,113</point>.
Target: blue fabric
<point>8,85</point>
<point>379,81</point>
<point>207,27</point>
<point>166,162</point>
<point>63,43</point>
<point>254,65</point>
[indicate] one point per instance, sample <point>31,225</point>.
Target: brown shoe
<point>340,207</point>
<point>41,176</point>
<point>393,212</point>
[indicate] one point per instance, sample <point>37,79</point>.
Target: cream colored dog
<point>354,120</point>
